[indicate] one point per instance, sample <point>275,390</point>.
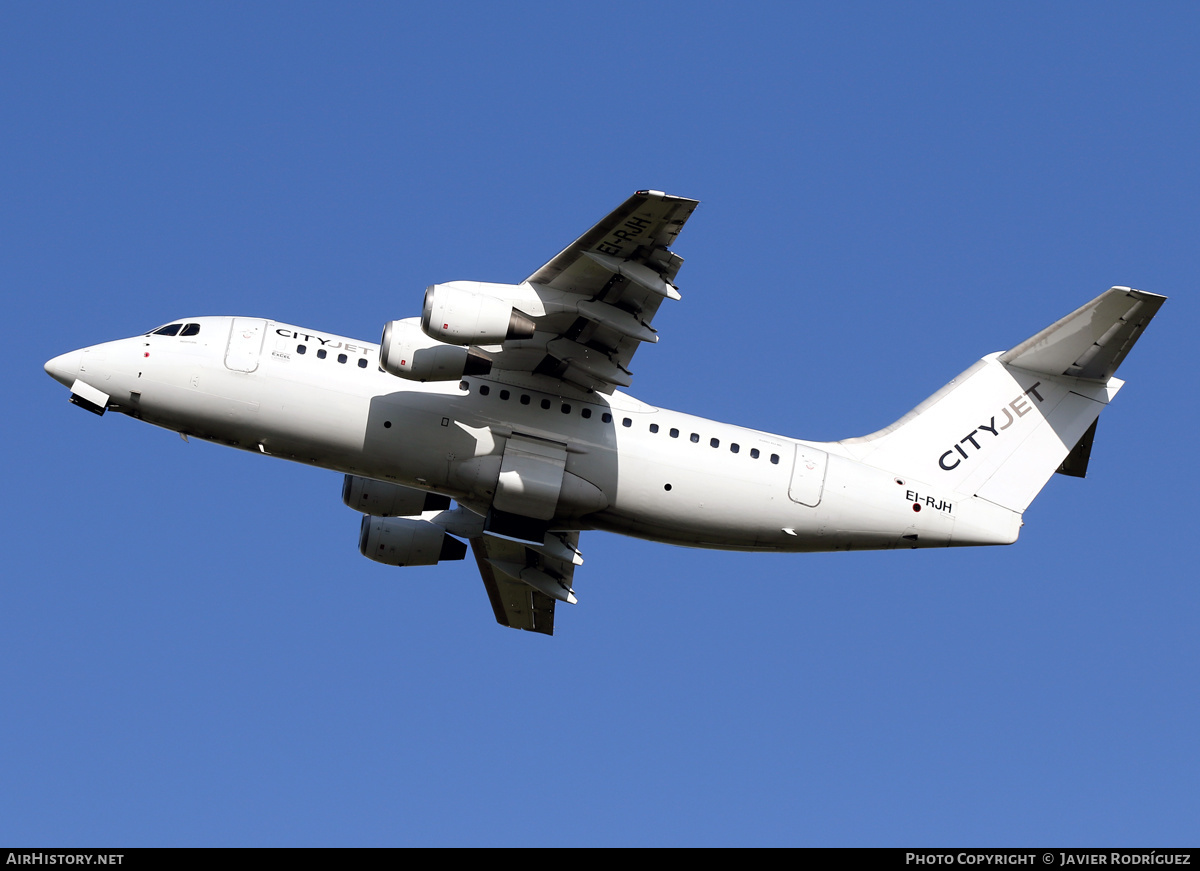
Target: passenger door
<point>245,344</point>
<point>808,476</point>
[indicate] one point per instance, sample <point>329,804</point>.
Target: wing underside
<point>600,295</point>
<point>524,582</point>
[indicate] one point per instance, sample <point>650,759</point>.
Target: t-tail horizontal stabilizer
<point>1002,428</point>
<point>1091,341</point>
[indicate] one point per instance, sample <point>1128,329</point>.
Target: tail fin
<point>1003,427</point>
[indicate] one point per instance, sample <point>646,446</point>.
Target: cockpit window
<point>177,330</point>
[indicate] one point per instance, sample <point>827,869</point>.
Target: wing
<point>599,295</point>
<point>524,582</point>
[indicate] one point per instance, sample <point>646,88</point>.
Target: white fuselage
<point>631,468</point>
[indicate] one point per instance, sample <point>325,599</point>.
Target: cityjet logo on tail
<point>1020,407</point>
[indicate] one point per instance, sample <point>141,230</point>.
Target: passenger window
<point>735,447</point>
<point>545,403</point>
<point>627,422</point>
<point>191,330</point>
<point>322,354</point>
<point>754,453</point>
<point>654,427</point>
<point>484,390</point>
<point>300,349</point>
<point>566,409</point>
<point>587,412</point>
<point>714,443</point>
<point>362,362</point>
<point>524,398</point>
<point>504,394</point>
<point>775,459</point>
<point>606,417</point>
<point>464,385</point>
<point>695,438</point>
<point>342,358</point>
<point>168,330</point>
<point>674,433</point>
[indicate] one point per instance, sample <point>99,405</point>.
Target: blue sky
<point>193,652</point>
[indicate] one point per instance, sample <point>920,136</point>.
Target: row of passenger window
<point>322,354</point>
<point>605,417</point>
<point>734,447</point>
<point>584,412</point>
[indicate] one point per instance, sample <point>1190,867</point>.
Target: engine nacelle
<point>407,352</point>
<point>397,541</point>
<point>383,499</point>
<point>460,317</point>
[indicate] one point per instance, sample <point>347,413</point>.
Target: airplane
<point>497,418</point>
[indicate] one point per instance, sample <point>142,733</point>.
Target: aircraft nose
<point>64,368</point>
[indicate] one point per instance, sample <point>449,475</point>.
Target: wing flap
<point>599,295</point>
<point>518,578</point>
<point>640,274</point>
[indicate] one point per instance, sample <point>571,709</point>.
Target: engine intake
<point>461,317</point>
<point>384,499</point>
<point>407,352</point>
<point>397,541</point>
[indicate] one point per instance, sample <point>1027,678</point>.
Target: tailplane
<point>1002,428</point>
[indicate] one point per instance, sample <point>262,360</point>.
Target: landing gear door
<point>245,344</point>
<point>808,476</point>
<point>531,476</point>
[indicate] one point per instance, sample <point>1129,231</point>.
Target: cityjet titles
<point>325,343</point>
<point>1020,407</point>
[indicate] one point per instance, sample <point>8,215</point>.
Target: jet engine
<point>407,352</point>
<point>397,541</point>
<point>389,500</point>
<point>461,317</point>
